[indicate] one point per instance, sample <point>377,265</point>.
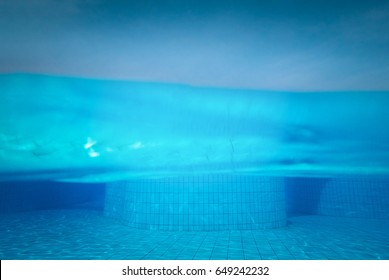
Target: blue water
<point>44,220</point>
<point>100,130</point>
<point>99,169</point>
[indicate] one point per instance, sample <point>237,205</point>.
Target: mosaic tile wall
<point>40,195</point>
<point>303,194</point>
<point>359,197</point>
<point>199,203</point>
<point>362,197</point>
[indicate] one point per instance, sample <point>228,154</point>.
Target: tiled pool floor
<point>80,234</point>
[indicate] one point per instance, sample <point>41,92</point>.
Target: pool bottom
<point>82,234</point>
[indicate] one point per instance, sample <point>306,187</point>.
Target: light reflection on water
<point>78,129</point>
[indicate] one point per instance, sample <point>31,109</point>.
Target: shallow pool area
<point>81,234</point>
<point>166,219</point>
<point>115,169</point>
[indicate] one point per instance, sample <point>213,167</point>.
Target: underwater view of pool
<point>100,169</point>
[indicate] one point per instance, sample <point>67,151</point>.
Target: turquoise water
<point>100,130</point>
<point>99,169</point>
<point>81,234</point>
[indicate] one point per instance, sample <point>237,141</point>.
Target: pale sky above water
<point>283,45</point>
